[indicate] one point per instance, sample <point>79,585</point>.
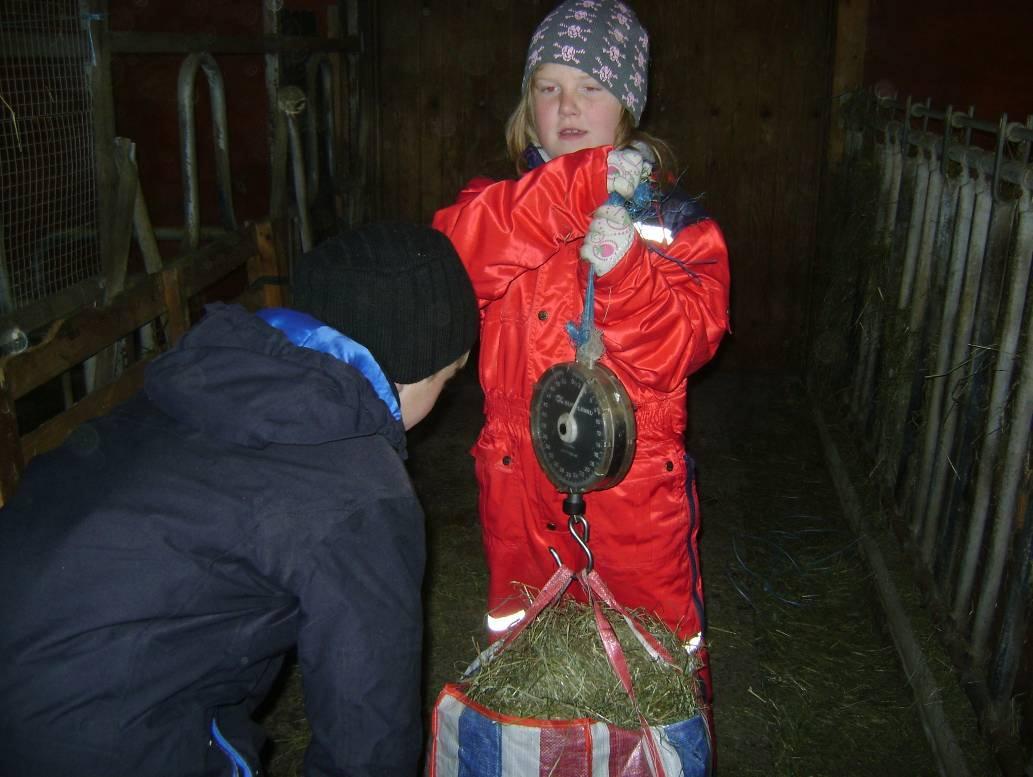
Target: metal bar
<point>925,111</point>
<point>887,378</point>
<point>126,42</point>
<point>1010,170</point>
<point>1019,133</point>
<point>865,375</point>
<point>170,43</point>
<point>365,201</point>
<point>885,178</point>
<point>943,467</point>
<point>901,384</point>
<point>319,90</point>
<point>1018,437</point>
<point>967,121</point>
<point>941,376</point>
<point>927,237</point>
<point>1009,654</point>
<point>187,73</point>
<point>277,129</point>
<point>95,13</point>
<point>292,103</point>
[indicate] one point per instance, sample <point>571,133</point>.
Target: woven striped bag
<point>469,740</point>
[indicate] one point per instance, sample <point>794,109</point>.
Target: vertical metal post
<point>943,467</point>
<point>941,373</point>
<point>292,103</point>
<point>277,151</point>
<point>1018,434</point>
<point>95,19</point>
<point>320,115</point>
<point>188,145</point>
<point>919,200</point>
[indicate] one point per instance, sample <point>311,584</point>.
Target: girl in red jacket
<point>661,305</point>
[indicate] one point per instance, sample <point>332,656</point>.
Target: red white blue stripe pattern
<point>470,741</point>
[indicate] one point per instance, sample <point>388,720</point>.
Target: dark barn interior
<point>862,437</point>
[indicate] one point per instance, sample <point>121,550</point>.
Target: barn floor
<point>806,678</point>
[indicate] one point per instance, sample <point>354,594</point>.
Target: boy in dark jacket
<point>156,568</point>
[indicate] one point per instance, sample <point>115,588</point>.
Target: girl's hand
<point>626,168</point>
<point>610,235</point>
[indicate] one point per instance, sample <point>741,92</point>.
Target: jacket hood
<point>238,379</point>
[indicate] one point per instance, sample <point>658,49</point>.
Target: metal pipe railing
<point>940,389</point>
<point>1018,438</point>
<point>927,525</point>
<point>188,145</point>
<point>949,315</point>
<point>319,88</point>
<point>291,102</point>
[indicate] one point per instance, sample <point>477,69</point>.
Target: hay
<point>557,669</point>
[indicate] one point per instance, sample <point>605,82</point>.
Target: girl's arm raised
<point>503,229</point>
<point>663,309</point>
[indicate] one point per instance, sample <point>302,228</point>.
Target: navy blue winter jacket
<point>155,569</point>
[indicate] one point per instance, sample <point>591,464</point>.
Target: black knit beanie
<point>398,289</point>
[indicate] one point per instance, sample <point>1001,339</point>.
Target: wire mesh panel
<point>48,199</point>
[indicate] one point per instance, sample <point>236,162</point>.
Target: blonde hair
<point>520,132</point>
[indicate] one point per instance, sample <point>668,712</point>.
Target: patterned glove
<point>626,168</point>
<point>645,150</point>
<point>610,235</point>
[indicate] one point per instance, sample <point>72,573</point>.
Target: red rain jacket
<point>660,322</point>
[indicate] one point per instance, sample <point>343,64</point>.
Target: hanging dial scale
<point>582,420</point>
<point>582,427</point>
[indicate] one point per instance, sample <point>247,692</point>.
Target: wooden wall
<point>739,88</point>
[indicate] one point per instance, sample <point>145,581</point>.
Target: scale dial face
<point>582,427</point>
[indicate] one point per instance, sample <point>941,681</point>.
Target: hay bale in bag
<point>557,669</point>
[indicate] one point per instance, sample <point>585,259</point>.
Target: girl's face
<point>572,110</point>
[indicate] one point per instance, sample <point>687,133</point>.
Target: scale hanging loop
<point>574,506</point>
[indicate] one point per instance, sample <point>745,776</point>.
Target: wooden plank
<point>199,270</point>
<point>253,299</point>
<point>75,339</point>
<point>178,314</point>
<point>108,361</point>
<point>62,304</point>
<point>72,340</point>
<point>848,66</point>
<point>11,462</point>
<point>52,433</point>
<point>264,271</point>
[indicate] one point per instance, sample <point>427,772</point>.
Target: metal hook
<point>555,556</point>
<point>581,538</point>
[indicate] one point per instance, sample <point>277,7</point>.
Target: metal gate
<point>935,371</point>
